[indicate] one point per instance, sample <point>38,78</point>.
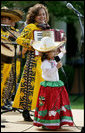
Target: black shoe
<point>82,130</point>
<point>26,115</point>
<point>28,119</point>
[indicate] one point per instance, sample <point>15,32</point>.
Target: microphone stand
<point>79,17</point>
<point>82,130</point>
<point>82,29</point>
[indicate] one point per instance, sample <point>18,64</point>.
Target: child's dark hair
<point>44,56</point>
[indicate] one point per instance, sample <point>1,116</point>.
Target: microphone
<point>57,60</point>
<point>70,6</point>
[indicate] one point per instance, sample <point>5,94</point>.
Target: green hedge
<point>68,80</point>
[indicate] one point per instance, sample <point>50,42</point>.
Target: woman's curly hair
<point>34,11</point>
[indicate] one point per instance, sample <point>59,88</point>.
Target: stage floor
<point>14,122</point>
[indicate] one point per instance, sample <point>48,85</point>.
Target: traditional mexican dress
<point>8,71</point>
<point>53,106</point>
<point>27,92</point>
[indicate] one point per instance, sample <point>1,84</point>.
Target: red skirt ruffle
<point>53,108</point>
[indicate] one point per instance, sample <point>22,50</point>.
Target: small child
<point>53,106</point>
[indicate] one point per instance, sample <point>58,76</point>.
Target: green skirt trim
<point>52,83</point>
<point>65,118</point>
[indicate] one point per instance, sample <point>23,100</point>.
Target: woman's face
<point>41,17</point>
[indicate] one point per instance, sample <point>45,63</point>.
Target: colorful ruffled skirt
<point>53,106</point>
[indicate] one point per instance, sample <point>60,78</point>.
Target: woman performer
<point>26,96</point>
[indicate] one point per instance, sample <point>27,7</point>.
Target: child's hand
<point>59,65</point>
